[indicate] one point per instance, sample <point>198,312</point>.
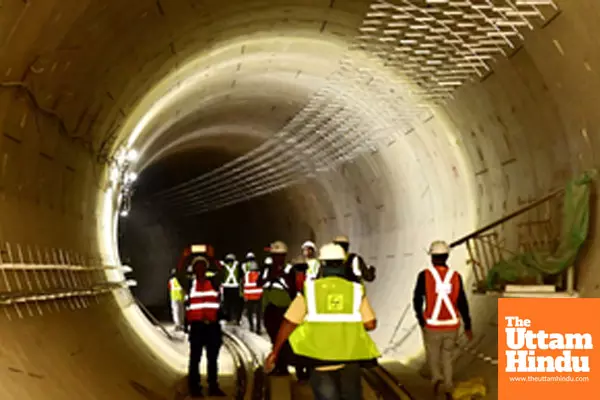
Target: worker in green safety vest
<point>327,329</point>
<point>177,298</point>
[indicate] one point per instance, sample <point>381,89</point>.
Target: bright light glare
<point>131,177</point>
<point>132,155</point>
<point>126,269</point>
<point>124,213</point>
<point>131,283</point>
<point>114,174</point>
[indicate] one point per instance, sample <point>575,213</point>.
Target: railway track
<point>378,384</point>
<point>251,382</point>
<point>385,385</point>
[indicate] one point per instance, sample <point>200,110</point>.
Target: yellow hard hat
<point>332,252</point>
<point>341,239</point>
<point>279,247</point>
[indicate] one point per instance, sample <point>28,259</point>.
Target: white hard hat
<point>250,255</point>
<point>230,257</point>
<point>332,252</point>
<point>341,239</point>
<point>439,247</point>
<point>309,244</point>
<point>268,261</point>
<point>279,248</point>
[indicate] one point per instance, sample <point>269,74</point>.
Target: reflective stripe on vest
<point>204,302</point>
<point>320,340</point>
<point>251,289</point>
<point>356,266</point>
<point>442,290</point>
<point>279,283</point>
<point>313,315</point>
<point>313,268</point>
<point>231,280</point>
<point>176,290</point>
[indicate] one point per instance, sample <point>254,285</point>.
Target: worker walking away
<point>279,288</point>
<point>253,297</point>
<point>203,316</point>
<point>231,289</point>
<point>357,269</point>
<point>301,268</point>
<point>250,263</point>
<point>443,291</point>
<point>309,251</point>
<point>327,328</point>
<point>177,301</point>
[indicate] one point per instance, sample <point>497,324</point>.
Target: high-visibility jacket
<point>231,275</point>
<point>442,286</point>
<point>276,290</point>
<point>204,302</point>
<point>249,266</point>
<point>175,290</point>
<point>313,268</point>
<point>251,289</point>
<point>333,329</point>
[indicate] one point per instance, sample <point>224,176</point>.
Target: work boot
<point>196,393</point>
<point>216,391</point>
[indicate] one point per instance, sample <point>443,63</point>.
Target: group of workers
<point>315,312</point>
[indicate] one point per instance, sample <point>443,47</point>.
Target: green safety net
<point>532,267</point>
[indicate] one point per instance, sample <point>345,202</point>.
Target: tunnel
<point>191,86</point>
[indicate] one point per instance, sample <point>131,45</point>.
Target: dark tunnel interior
<point>153,234</point>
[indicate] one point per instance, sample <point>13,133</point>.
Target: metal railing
<point>534,227</point>
<point>151,317</point>
<point>35,280</point>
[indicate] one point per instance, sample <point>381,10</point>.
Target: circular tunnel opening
<point>153,234</point>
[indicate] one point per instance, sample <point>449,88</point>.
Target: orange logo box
<point>548,349</point>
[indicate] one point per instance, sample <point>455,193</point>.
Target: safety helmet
<point>268,261</point>
<point>199,259</point>
<point>309,245</point>
<point>439,247</point>
<point>230,257</point>
<point>332,252</point>
<point>278,247</point>
<point>341,239</point>
<point>250,255</point>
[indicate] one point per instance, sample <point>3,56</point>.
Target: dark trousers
<point>209,336</point>
<point>341,384</point>
<point>254,313</point>
<point>273,317</point>
<point>232,303</point>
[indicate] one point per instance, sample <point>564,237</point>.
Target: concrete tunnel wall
<point>511,138</point>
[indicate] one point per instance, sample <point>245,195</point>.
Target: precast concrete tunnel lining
<point>193,84</point>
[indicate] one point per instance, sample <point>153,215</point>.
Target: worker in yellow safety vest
<point>177,298</point>
<point>327,329</point>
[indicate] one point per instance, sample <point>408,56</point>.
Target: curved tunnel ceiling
<point>79,79</point>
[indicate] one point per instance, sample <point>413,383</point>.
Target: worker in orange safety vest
<point>443,291</point>
<point>203,314</point>
<point>253,297</point>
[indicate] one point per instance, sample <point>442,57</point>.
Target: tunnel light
<point>132,155</point>
<point>126,269</point>
<point>131,177</point>
<point>131,283</point>
<point>124,213</point>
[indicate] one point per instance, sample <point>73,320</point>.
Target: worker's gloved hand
<point>369,273</point>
